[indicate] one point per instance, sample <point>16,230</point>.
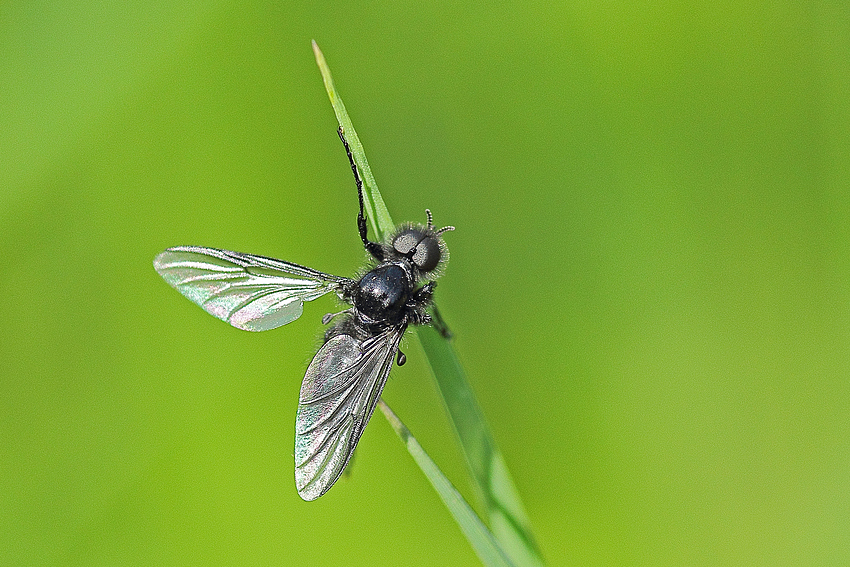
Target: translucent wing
<point>339,393</point>
<point>250,292</point>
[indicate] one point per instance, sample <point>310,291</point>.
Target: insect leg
<point>328,317</point>
<point>417,304</point>
<point>422,296</point>
<point>439,323</point>
<point>419,301</point>
<point>373,248</point>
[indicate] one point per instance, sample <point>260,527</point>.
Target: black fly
<point>346,377</point>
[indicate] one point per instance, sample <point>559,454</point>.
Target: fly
<point>345,379</point>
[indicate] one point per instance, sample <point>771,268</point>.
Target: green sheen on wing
<point>252,293</point>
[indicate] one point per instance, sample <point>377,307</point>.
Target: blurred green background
<point>649,283</point>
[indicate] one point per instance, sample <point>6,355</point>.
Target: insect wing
<point>339,393</point>
<point>253,293</point>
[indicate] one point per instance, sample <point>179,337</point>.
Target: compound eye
<point>406,241</point>
<point>427,254</point>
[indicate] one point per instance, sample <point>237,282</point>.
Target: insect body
<point>344,381</point>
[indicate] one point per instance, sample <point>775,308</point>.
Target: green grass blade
<point>473,528</point>
<point>376,210</point>
<point>493,484</point>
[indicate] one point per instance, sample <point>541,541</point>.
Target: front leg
<point>419,302</point>
<point>374,248</point>
<point>439,323</point>
<point>422,298</point>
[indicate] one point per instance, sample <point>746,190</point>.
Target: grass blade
<point>493,484</point>
<point>473,528</point>
<point>376,210</point>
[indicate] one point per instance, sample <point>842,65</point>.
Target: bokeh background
<point>649,282</point>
